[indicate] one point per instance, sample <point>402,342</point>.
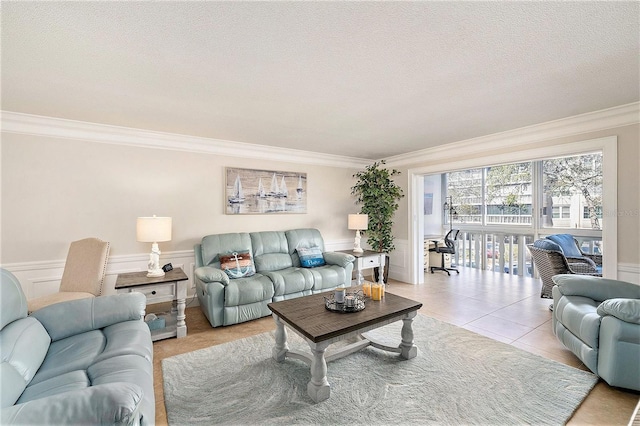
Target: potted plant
<point>378,194</point>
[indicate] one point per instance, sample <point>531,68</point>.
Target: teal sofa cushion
<point>86,361</point>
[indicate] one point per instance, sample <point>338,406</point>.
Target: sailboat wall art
<point>256,191</point>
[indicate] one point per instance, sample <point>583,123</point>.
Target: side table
<point>172,286</point>
<point>365,260</point>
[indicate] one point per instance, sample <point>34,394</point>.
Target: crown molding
<point>609,118</point>
<point>36,125</point>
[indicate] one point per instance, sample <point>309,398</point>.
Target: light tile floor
<point>503,307</point>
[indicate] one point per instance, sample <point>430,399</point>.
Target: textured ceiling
<point>362,79</point>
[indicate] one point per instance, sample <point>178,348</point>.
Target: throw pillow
<point>237,264</point>
<point>310,257</point>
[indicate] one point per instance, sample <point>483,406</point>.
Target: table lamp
<point>358,222</point>
<point>153,230</point>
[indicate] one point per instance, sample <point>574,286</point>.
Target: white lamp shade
<point>358,222</point>
<point>153,229</point>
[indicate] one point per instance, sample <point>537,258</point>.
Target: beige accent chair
<point>83,274</point>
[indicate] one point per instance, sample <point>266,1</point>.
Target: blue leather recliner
<point>598,319</point>
<point>275,274</point>
<point>87,361</point>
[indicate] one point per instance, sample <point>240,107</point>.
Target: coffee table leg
<point>408,349</point>
<point>281,348</point>
<point>318,387</point>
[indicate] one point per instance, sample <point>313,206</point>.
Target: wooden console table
<point>172,286</point>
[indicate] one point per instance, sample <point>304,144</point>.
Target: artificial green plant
<point>378,194</point>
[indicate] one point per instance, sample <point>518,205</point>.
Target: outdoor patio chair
<point>550,261</point>
<point>572,251</point>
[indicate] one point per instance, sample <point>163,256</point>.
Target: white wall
<point>433,221</point>
<point>57,186</point>
<point>57,190</point>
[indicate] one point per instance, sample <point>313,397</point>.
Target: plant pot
<point>385,273</point>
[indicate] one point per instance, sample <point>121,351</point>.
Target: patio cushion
<point>547,245</point>
<point>567,244</point>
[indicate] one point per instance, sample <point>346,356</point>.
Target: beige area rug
<point>458,377</point>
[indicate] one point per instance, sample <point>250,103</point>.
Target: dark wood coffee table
<point>309,318</point>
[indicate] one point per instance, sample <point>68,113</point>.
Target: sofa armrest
<point>627,310</point>
<point>209,274</point>
<point>596,288</point>
<point>340,259</point>
<point>66,319</point>
<point>112,403</point>
<point>197,251</point>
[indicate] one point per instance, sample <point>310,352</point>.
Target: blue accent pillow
<point>310,257</point>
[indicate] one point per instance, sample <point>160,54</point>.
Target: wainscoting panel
<point>43,278</point>
<point>629,272</point>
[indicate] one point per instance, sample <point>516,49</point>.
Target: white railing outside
<point>504,252</point>
<point>499,252</point>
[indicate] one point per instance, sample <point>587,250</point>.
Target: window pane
<point>572,192</point>
<point>465,189</point>
<point>508,194</point>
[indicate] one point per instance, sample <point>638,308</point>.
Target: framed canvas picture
<point>256,191</point>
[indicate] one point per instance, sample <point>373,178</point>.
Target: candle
<point>339,295</point>
<point>350,301</point>
<point>376,292</point>
<point>366,289</point>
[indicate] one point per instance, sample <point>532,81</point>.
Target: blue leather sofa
<point>598,319</point>
<point>87,361</point>
<point>278,273</point>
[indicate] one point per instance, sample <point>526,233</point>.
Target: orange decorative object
<point>376,292</point>
<point>366,289</point>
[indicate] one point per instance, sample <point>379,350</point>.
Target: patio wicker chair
<point>572,251</point>
<point>550,261</point>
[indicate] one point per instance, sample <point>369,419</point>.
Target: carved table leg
<point>408,349</point>
<point>281,348</point>
<point>318,387</point>
<point>181,325</point>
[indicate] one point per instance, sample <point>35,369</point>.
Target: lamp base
<point>356,243</point>
<point>155,273</point>
<point>153,267</point>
